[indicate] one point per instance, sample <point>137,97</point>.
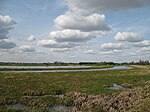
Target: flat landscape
<point>76,91</point>
<point>74,56</point>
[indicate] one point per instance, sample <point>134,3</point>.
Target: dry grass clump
<point>121,102</point>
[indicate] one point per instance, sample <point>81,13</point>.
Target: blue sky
<point>74,30</point>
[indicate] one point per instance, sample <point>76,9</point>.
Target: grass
<point>142,106</point>
<point>21,87</point>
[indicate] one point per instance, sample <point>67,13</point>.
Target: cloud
<point>6,24</point>
<point>112,46</point>
<point>74,29</point>
<point>31,38</point>
<point>61,49</point>
<point>106,5</point>
<point>93,22</point>
<point>70,36</point>
<point>27,49</point>
<point>144,43</point>
<point>72,56</point>
<point>132,54</point>
<point>144,49</point>
<point>6,44</point>
<point>54,44</point>
<point>66,39</point>
<point>89,52</point>
<point>112,52</point>
<point>128,36</point>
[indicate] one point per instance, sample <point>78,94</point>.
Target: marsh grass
<point>21,87</point>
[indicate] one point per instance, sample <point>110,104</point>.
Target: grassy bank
<point>41,89</point>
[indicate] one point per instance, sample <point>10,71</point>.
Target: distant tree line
<point>98,63</point>
<point>58,63</point>
<point>141,62</point>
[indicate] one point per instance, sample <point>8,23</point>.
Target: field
<point>40,90</point>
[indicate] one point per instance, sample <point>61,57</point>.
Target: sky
<point>74,30</point>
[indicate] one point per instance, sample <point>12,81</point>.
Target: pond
<point>117,87</point>
<point>45,66</point>
<point>79,70</point>
<point>59,108</point>
<point>18,106</point>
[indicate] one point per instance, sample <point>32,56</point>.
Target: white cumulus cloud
<point>128,36</point>
<point>144,49</point>
<point>54,44</point>
<point>31,38</point>
<point>144,43</point>
<point>93,22</point>
<point>26,48</point>
<point>90,52</point>
<point>71,36</point>
<point>112,46</point>
<point>61,49</point>
<point>66,39</point>
<point>112,52</point>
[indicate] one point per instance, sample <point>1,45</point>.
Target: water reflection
<point>18,106</point>
<point>117,87</point>
<point>60,108</point>
<point>45,66</point>
<point>80,70</point>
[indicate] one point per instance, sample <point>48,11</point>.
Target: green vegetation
<point>39,90</point>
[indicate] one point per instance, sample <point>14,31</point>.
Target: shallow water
<point>60,108</point>
<point>50,108</point>
<point>117,87</point>
<point>83,70</point>
<point>45,66</point>
<point>18,106</point>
